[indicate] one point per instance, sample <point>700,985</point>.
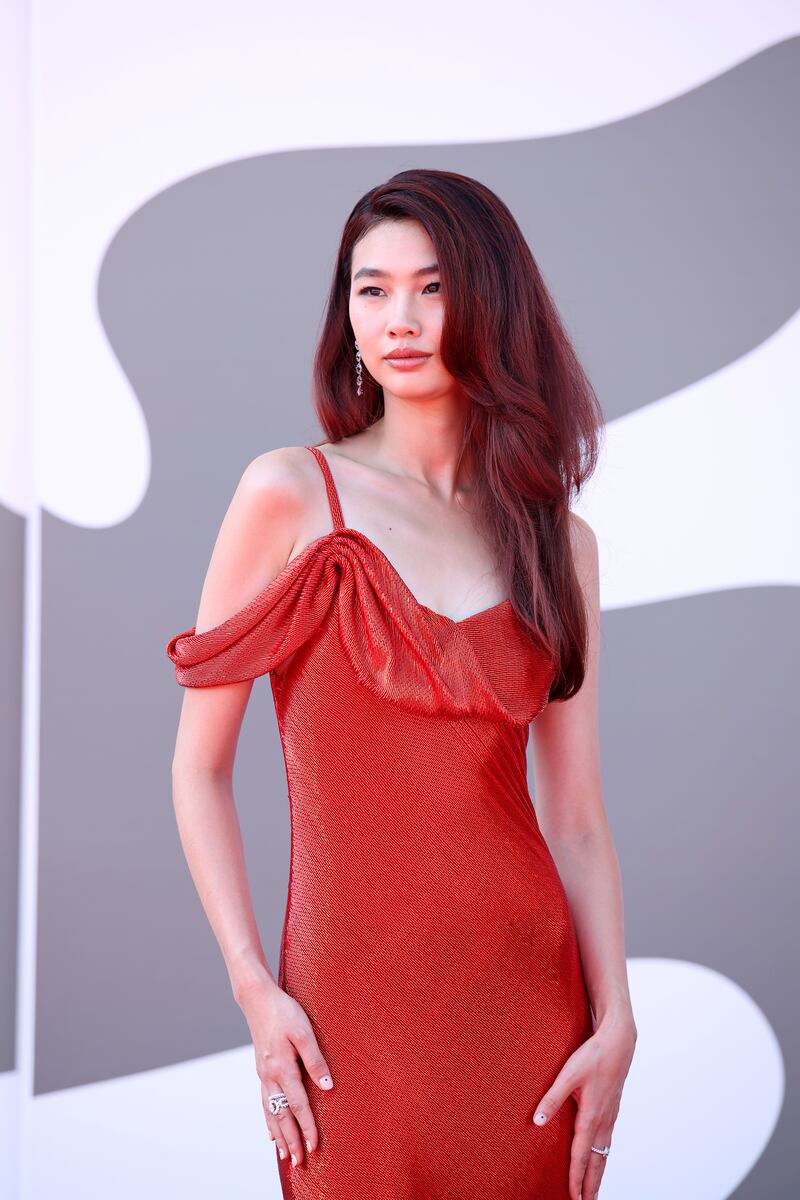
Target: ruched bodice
<point>401,650</point>
<point>427,933</point>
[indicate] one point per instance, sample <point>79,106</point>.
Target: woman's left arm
<point>571,815</point>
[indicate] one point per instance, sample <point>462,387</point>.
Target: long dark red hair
<point>534,424</point>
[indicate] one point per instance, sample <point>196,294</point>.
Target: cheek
<point>368,329</point>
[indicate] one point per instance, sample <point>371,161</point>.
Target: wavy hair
<point>533,425</point>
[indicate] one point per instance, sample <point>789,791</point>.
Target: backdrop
<point>179,175</point>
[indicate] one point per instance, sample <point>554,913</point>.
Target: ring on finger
<point>278,1100</point>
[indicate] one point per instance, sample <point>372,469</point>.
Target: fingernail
<point>281,1151</point>
<point>326,1081</point>
<point>540,1118</point>
<point>308,1145</point>
<point>294,1160</point>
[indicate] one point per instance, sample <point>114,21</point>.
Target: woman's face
<point>396,302</point>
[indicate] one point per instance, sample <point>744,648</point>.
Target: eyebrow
<point>376,273</point>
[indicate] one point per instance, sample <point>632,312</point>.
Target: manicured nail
<point>308,1145</point>
<point>326,1081</point>
<point>281,1151</point>
<point>540,1118</point>
<point>294,1160</point>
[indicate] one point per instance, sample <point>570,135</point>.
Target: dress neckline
<point>341,527</point>
<point>400,649</point>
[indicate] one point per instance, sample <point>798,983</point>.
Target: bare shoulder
<point>582,536</point>
<point>585,556</point>
<point>279,478</point>
<point>583,543</point>
<point>281,491</point>
<point>269,513</point>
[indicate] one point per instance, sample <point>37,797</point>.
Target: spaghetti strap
<point>333,495</point>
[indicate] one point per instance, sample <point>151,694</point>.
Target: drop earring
<point>358,370</point>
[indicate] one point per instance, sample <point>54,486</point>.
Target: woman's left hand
<point>594,1074</point>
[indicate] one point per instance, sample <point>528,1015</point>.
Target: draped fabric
<point>427,933</point>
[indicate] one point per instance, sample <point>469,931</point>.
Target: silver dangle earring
<point>358,370</point>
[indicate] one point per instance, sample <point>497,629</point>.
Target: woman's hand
<point>281,1031</point>
<point>594,1074</point>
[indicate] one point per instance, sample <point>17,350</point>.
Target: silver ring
<point>277,1101</point>
<point>604,1150</point>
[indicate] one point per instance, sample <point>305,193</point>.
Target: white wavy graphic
<point>704,1091</point>
<point>697,492</point>
<point>707,1080</point>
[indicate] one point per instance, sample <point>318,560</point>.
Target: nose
<point>402,322</point>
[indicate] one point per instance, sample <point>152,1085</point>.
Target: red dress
<point>427,933</point>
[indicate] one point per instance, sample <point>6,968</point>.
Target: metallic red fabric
<point>427,932</point>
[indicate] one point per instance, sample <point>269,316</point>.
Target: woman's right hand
<point>281,1030</point>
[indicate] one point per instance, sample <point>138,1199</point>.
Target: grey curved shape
<point>211,297</point>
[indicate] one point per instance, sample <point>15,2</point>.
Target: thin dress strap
<point>333,495</point>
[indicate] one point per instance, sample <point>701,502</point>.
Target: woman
<point>451,1015</point>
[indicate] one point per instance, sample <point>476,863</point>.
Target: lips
<point>407,354</point>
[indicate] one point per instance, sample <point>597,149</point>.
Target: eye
<point>374,288</point>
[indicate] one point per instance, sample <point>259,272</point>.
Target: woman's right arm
<point>254,543</point>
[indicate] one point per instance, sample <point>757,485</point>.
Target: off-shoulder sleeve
<point>401,651</point>
<point>257,638</point>
<point>204,662</point>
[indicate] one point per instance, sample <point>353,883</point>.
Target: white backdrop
<point>107,107</point>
